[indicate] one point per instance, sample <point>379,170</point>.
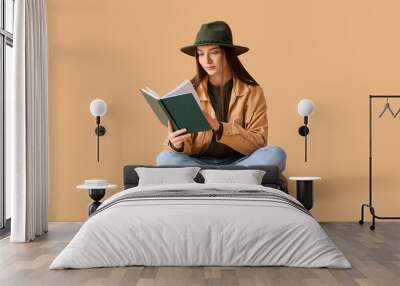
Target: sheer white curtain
<point>27,123</point>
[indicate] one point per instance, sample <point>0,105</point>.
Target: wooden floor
<point>375,257</point>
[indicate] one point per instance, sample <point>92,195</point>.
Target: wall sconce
<point>305,108</point>
<point>98,108</point>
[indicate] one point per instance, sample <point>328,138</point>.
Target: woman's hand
<point>176,138</point>
<point>212,120</point>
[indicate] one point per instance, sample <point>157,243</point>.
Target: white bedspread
<point>200,231</point>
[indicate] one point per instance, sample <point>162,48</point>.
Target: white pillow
<point>163,176</point>
<point>249,177</point>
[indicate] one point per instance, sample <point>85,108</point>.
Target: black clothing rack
<point>370,205</point>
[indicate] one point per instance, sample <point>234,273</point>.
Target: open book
<point>181,106</point>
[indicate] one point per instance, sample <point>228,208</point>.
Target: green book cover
<point>156,106</point>
<point>181,106</point>
<point>186,112</point>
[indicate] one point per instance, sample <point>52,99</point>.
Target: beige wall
<point>333,52</point>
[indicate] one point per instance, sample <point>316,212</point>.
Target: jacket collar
<point>239,88</point>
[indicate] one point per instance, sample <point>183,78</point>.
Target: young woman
<point>232,102</point>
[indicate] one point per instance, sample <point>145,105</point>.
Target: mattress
<point>201,225</point>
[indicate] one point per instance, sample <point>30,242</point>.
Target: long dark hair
<point>235,65</point>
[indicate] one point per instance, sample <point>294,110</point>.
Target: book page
<point>183,88</point>
<point>152,92</point>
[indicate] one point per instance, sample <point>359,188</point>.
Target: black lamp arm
<point>100,131</point>
<point>303,131</point>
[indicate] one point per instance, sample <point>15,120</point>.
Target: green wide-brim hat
<point>214,33</point>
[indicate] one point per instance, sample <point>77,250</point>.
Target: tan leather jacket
<point>247,126</point>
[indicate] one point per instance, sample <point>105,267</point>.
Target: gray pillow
<point>248,177</point>
<point>163,176</point>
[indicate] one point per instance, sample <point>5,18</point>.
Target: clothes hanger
<point>397,113</point>
<point>387,107</point>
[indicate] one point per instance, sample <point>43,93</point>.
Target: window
<point>6,45</point>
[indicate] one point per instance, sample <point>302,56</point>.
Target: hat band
<point>212,42</point>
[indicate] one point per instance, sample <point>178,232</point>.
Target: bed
<point>197,224</point>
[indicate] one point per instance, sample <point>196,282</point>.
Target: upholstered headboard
<point>272,177</point>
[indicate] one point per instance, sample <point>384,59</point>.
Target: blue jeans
<point>267,155</point>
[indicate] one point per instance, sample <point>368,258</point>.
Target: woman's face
<point>211,58</point>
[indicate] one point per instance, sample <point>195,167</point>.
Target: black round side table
<point>96,195</point>
<point>96,190</point>
<point>304,190</point>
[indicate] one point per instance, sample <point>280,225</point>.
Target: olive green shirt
<point>216,149</point>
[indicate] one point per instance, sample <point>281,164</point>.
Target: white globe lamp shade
<point>98,107</point>
<point>305,107</point>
